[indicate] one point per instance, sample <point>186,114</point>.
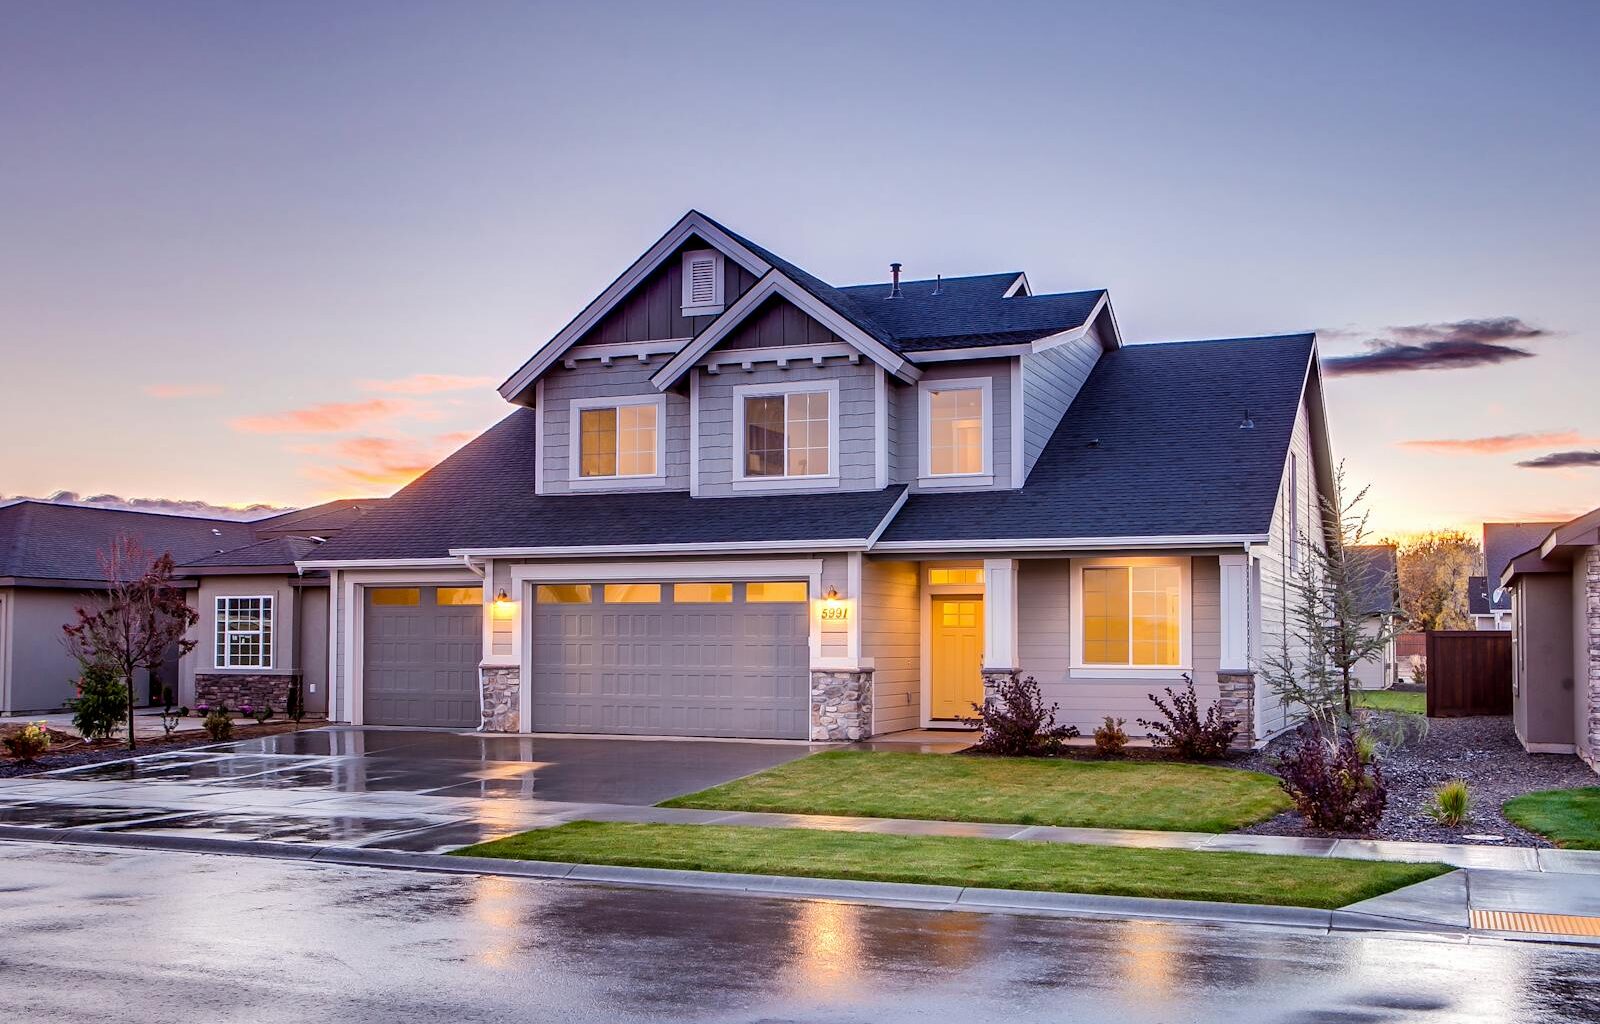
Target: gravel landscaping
<point>1483,751</point>
<point>75,753</point>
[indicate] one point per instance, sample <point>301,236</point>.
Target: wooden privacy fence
<point>1469,672</point>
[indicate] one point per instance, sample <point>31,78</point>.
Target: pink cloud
<point>331,417</point>
<point>368,463</point>
<point>181,390</point>
<point>1496,445</point>
<point>425,384</point>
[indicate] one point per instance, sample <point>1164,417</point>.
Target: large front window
<point>617,441</point>
<point>244,632</point>
<point>786,435</point>
<point>1133,616</point>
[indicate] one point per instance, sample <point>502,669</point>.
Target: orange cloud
<point>371,463</point>
<point>181,390</point>
<point>1495,445</point>
<point>330,417</point>
<point>425,384</point>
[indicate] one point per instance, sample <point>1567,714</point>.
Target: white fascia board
<point>1019,286</point>
<point>953,355</point>
<point>453,561</point>
<point>1072,543</point>
<point>776,283</point>
<point>693,223</point>
<point>728,547</point>
<point>888,517</point>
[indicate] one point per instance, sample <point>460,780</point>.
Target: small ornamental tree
<point>140,617</point>
<point>1328,621</point>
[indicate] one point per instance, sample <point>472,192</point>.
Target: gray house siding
<point>891,635</point>
<point>999,372</point>
<point>719,447</point>
<point>42,675</point>
<point>592,379</point>
<point>1050,381</point>
<point>654,310</point>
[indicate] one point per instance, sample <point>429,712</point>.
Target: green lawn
<point>1027,791</point>
<point>1571,817</point>
<point>986,863</point>
<point>1389,700</point>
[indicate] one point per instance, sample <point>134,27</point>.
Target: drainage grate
<point>1547,924</point>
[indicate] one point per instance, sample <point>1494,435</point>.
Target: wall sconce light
<point>502,597</point>
<point>502,608</point>
<point>832,594</point>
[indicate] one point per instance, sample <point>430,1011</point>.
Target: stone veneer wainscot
<point>236,689</point>
<point>502,699</point>
<point>841,705</point>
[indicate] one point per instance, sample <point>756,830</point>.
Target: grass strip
<point>1569,817</point>
<point>987,863</point>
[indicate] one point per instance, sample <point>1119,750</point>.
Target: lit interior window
<point>955,432</point>
<point>1132,615</point>
<point>786,435</point>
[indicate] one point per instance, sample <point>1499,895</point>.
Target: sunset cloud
<point>171,506</point>
<point>1440,346</point>
<point>380,463</point>
<point>1563,460</point>
<point>330,417</point>
<point>1496,445</point>
<point>181,390</point>
<point>425,384</point>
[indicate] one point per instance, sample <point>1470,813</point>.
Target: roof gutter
<point>1076,543</point>
<point>728,547</point>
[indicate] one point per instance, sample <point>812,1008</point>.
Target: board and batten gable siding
<point>778,324</point>
<point>891,636</point>
<point>1272,716</point>
<point>653,311</point>
<point>1045,622</point>
<point>719,447</point>
<point>1050,381</point>
<point>908,412</point>
<point>624,378</point>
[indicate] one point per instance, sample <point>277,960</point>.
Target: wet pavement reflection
<point>333,943</point>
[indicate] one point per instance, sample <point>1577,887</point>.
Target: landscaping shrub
<point>27,743</point>
<point>1109,739</point>
<point>170,717</point>
<point>1450,803</point>
<point>219,724</point>
<point>1332,788</point>
<point>1183,731</point>
<point>98,708</point>
<point>262,713</point>
<point>1016,723</point>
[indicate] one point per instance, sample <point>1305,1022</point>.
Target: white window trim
<point>575,479</point>
<point>925,475</point>
<point>1080,670</point>
<point>778,483</point>
<point>219,657</point>
<point>1294,512</point>
<point>713,307</point>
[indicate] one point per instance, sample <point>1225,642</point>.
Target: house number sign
<point>835,612</point>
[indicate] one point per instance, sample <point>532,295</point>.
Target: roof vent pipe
<point>1248,423</point>
<point>894,287</point>
<point>938,283</point>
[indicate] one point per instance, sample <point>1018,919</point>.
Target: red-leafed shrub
<point>1333,787</point>
<point>1016,723</point>
<point>1184,731</point>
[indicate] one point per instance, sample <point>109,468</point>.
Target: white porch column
<point>1235,601</point>
<point>1000,652</point>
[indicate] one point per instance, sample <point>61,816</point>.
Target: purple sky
<point>281,252</point>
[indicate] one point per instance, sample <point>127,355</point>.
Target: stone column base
<point>994,678</point>
<point>500,688</point>
<point>1237,703</point>
<point>841,705</point>
<point>236,690</point>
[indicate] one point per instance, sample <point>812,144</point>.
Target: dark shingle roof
<point>44,540</point>
<point>1379,565</point>
<point>1501,543</point>
<point>1171,458</point>
<point>276,552</point>
<point>483,496</point>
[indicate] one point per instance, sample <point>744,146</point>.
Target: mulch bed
<point>1484,751</point>
<point>67,751</point>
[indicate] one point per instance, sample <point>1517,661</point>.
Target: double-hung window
<point>244,632</point>
<point>1132,616</point>
<point>617,439</point>
<point>956,415</point>
<point>787,434</point>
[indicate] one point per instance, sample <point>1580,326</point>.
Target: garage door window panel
<point>633,593</point>
<point>564,593</point>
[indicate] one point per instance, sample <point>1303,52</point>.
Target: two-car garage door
<point>640,658</point>
<point>672,659</point>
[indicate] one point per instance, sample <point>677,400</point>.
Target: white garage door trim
<point>523,578</point>
<point>352,601</point>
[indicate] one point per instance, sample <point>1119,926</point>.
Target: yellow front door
<point>957,677</point>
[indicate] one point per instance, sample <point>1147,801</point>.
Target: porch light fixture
<point>832,594</point>
<point>502,597</point>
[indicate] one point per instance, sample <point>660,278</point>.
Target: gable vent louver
<point>702,280</point>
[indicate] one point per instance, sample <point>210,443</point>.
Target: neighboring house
<point>1379,602</point>
<point>734,500</point>
<point>1488,603</point>
<point>50,565</point>
<point>1555,639</point>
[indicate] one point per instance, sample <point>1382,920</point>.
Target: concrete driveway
<point>391,788</point>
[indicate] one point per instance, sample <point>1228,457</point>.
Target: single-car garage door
<point>421,650</point>
<point>672,659</point>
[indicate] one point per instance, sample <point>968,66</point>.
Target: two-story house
<point>734,500</point>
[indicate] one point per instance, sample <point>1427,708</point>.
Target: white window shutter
<point>702,279</point>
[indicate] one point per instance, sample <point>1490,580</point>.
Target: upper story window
<point>702,282</point>
<point>244,632</point>
<point>1131,614</point>
<point>787,433</point>
<point>957,418</point>
<point>613,438</point>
